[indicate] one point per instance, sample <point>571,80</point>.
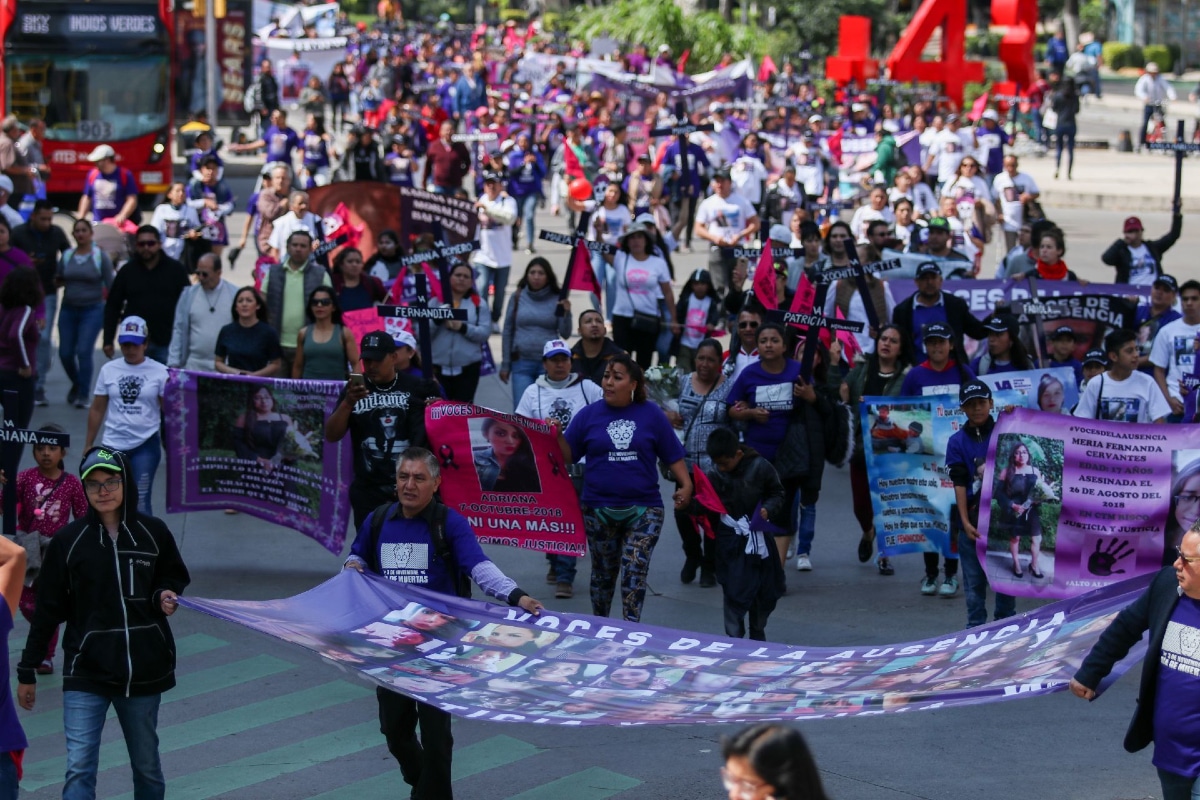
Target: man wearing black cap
<point>1136,260</point>
<point>384,410</point>
<point>931,304</point>
<point>1159,312</point>
<point>966,454</point>
<point>1122,393</point>
<point>1062,351</point>
<point>725,219</point>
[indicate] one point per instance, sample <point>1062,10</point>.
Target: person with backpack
<point>418,540</point>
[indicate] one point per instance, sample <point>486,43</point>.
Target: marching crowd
<point>753,422</point>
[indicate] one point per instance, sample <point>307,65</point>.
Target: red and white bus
<point>97,73</point>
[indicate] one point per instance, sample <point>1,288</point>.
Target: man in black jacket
<point>1170,610</point>
<point>931,304</point>
<point>113,577</point>
<point>148,286</point>
<point>1138,261</point>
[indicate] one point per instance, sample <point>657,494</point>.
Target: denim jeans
<point>524,372</point>
<point>498,276</point>
<point>529,206</point>
<point>160,352</point>
<point>565,568</point>
<point>143,462</point>
<point>1178,787</point>
<point>83,722</point>
<point>45,347</point>
<point>9,788</point>
<point>606,277</point>
<point>975,582</point>
<point>78,327</point>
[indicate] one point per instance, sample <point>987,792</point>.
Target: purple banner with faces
<point>498,663</point>
<point>258,445</point>
<point>1069,505</point>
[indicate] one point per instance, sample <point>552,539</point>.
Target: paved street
<point>253,718</point>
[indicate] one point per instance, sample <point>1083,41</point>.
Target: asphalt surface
<point>256,718</point>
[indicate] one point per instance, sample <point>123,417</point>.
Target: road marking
<point>261,767</point>
<point>205,729</point>
<point>213,679</point>
<point>473,759</point>
<point>595,783</point>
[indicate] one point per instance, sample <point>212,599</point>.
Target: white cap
<point>815,118</point>
<point>858,107</point>
<point>780,233</point>
<point>1152,67</point>
<point>992,115</point>
<point>716,107</point>
<point>664,48</point>
<point>506,145</point>
<point>403,338</point>
<point>101,152</point>
<point>132,330</point>
<point>555,347</point>
<point>6,184</point>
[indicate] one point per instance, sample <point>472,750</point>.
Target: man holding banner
<point>384,410</point>
<point>420,541</point>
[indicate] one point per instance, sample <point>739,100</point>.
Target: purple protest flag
<point>757,523</point>
<point>499,663</point>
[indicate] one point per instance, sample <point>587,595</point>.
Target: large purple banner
<point>497,663</point>
<point>1071,505</point>
<point>257,445</point>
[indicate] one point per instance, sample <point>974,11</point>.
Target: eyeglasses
<point>1186,559</point>
<point>745,789</point>
<point>744,325</point>
<point>96,487</point>
<point>200,274</point>
<point>1187,499</point>
<point>322,301</point>
<point>148,243</point>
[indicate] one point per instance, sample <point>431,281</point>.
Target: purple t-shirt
<point>12,737</point>
<point>280,144</point>
<point>761,389</point>
<point>925,380</point>
<point>623,447</point>
<point>1177,701</point>
<point>109,192</point>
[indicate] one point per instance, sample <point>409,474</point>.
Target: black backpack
<point>437,533</point>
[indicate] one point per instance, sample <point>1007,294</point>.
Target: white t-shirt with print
<point>1135,399</point>
<point>1175,351</point>
<point>725,217</point>
<point>613,223</point>
<point>638,284</point>
<point>1142,264</point>
<point>1008,192</point>
<point>133,392</point>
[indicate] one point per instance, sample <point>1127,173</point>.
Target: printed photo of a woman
<point>505,463</point>
<point>1185,502</point>
<point>1019,489</point>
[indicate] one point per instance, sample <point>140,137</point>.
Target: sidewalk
<point>1111,181</point>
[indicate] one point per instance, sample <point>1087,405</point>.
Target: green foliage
<point>1118,55</point>
<point>1159,54</point>
<point>1093,17</point>
<point>985,45</point>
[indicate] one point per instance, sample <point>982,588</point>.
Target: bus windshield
<point>90,98</point>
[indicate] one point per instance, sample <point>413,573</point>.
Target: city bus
<point>97,73</point>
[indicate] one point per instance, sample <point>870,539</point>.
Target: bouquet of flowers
<point>294,445</point>
<point>662,386</point>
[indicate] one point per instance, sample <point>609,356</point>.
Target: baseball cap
<point>780,233</point>
<point>722,173</point>
<point>1133,224</point>
<point>6,184</point>
<point>939,224</point>
<point>482,110</point>
<point>1167,282</point>
<point>937,330</point>
<point>101,152</point>
<point>1096,356</point>
<point>973,390</point>
<point>1063,332</point>
<point>644,157</point>
<point>998,324</point>
<point>928,268</point>
<point>100,458</point>
<point>490,175</point>
<point>376,345</point>
<point>132,331</point>
<point>951,118</point>
<point>858,107</point>
<point>815,118</point>
<point>555,347</point>
<point>992,115</point>
<point>404,339</point>
<point>1152,67</point>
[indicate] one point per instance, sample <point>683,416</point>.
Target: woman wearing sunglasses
<point>324,347</point>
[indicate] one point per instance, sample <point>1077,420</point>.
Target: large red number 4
<point>953,71</point>
<point>853,61</point>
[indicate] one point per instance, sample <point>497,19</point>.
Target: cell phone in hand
<point>356,379</point>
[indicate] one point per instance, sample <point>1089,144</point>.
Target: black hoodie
<point>117,641</point>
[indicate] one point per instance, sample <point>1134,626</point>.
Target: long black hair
<point>780,757</point>
<point>551,278</point>
<point>336,315</point>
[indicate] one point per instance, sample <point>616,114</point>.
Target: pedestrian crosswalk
<point>287,726</point>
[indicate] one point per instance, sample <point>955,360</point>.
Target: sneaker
<point>885,566</point>
<point>45,668</point>
<point>949,588</point>
<point>804,563</point>
<point>929,586</point>
<point>39,398</point>
<point>564,590</point>
<point>80,404</point>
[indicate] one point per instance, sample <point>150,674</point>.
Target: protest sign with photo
<point>484,661</point>
<point>1071,505</point>
<point>507,476</point>
<point>257,445</point>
